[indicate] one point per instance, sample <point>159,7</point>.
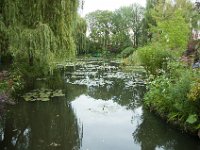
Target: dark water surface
<point>102,110</point>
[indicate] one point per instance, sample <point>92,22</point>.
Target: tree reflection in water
<point>153,133</point>
<point>41,126</point>
<point>53,125</point>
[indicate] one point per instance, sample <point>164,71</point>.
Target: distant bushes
<point>154,58</point>
<point>126,52</point>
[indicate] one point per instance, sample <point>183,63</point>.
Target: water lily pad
<point>27,98</point>
<point>43,99</point>
<point>57,93</point>
<point>42,95</point>
<point>33,100</point>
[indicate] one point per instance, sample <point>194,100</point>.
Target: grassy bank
<point>176,98</point>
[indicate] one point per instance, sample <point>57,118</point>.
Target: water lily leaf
<point>34,94</point>
<point>44,95</point>
<point>43,99</point>
<point>28,94</point>
<point>33,99</point>
<point>58,93</point>
<point>192,119</point>
<point>48,93</point>
<point>27,98</point>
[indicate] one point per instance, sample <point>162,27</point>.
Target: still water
<point>102,110</point>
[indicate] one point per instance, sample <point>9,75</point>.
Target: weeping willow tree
<point>38,32</point>
<point>80,35</point>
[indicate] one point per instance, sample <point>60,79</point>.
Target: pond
<point>102,110</point>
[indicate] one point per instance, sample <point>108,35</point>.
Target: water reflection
<point>106,124</point>
<point>102,110</point>
<point>112,115</point>
<point>154,134</point>
<point>40,126</point>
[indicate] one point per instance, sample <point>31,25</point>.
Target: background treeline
<point>112,32</point>
<point>122,31</point>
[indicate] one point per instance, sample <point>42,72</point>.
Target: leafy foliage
<point>42,95</point>
<point>154,58</point>
<point>38,31</point>
<point>174,91</point>
<point>80,35</point>
<point>173,31</point>
<point>168,97</point>
<point>99,25</point>
<point>191,119</point>
<point>194,94</point>
<point>127,51</point>
<point>117,30</point>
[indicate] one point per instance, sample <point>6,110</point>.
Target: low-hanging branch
<point>38,31</point>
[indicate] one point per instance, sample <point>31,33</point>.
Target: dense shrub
<point>126,52</point>
<point>154,58</point>
<point>176,99</point>
<point>194,94</point>
<point>135,59</point>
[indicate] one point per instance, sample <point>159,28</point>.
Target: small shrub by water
<point>126,52</point>
<point>176,99</point>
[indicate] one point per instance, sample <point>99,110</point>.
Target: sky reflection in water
<point>106,124</point>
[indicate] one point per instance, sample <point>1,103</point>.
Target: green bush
<point>154,58</point>
<point>194,94</point>
<point>3,86</point>
<point>126,52</point>
<point>176,99</point>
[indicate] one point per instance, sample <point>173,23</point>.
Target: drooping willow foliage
<point>38,32</point>
<point>80,35</point>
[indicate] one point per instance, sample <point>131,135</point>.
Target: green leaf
<point>58,93</point>
<point>192,119</point>
<point>42,95</point>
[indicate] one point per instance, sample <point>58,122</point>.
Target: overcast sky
<point>92,5</point>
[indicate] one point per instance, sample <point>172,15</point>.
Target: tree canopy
<point>38,32</point>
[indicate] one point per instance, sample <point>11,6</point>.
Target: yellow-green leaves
<point>194,93</point>
<point>39,31</point>
<point>42,95</point>
<point>192,119</point>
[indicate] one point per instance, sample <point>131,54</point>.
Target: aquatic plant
<point>42,95</point>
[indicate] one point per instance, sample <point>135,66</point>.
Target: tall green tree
<point>120,28</point>
<point>127,21</point>
<point>38,31</point>
<point>148,21</point>
<point>137,16</point>
<point>170,36</point>
<point>99,23</point>
<point>80,35</point>
<point>172,26</point>
<point>116,30</point>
